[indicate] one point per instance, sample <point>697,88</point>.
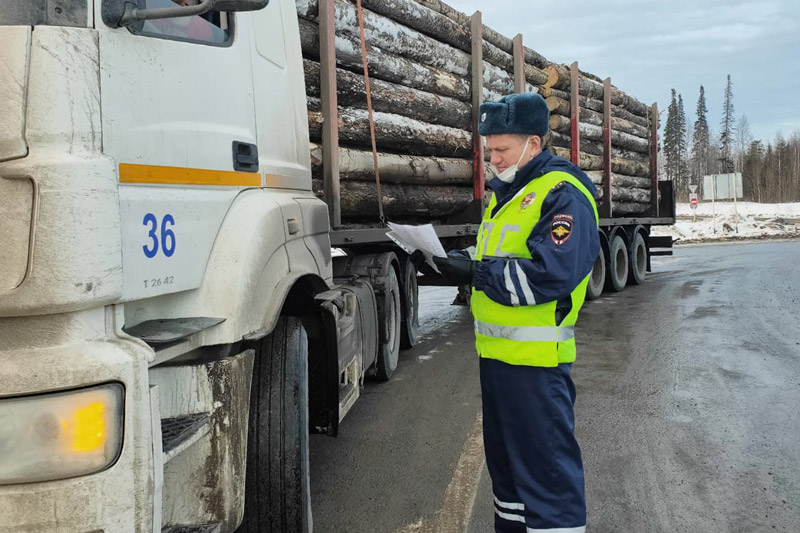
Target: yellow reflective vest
<point>524,334</point>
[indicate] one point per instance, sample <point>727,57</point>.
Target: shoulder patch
<point>558,185</point>
<point>561,228</point>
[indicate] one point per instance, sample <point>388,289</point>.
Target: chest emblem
<point>561,228</point>
<point>527,201</point>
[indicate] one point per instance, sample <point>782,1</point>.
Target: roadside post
<point>693,201</point>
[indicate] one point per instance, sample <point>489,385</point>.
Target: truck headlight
<point>60,435</point>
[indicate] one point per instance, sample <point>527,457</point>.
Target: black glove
<point>457,270</point>
<point>454,271</point>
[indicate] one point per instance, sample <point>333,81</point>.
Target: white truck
<point>170,327</point>
<point>173,323</point>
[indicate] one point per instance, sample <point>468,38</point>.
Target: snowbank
<point>754,221</point>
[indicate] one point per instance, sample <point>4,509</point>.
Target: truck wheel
<point>597,278</point>
<point>277,488</point>
<point>409,333</point>
<point>638,260</point>
<point>617,276</point>
<point>389,312</point>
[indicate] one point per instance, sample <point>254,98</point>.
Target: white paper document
<point>423,238</point>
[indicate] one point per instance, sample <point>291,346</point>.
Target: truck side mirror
<point>120,13</point>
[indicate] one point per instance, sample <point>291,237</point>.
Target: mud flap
<point>348,316</point>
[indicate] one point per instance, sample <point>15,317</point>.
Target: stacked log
<point>419,61</point>
<point>629,135</point>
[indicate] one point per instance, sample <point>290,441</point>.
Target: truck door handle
<point>245,157</point>
<point>294,226</point>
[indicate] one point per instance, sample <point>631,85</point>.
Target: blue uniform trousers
<point>533,457</point>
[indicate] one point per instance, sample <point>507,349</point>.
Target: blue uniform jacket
<point>555,269</point>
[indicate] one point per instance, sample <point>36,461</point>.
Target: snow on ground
<point>754,221</point>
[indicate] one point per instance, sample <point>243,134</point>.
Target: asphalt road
<point>688,410</point>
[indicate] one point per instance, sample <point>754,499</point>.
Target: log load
<point>442,28</point>
<point>359,200</point>
<point>558,76</point>
<point>626,195</point>
<point>561,123</point>
<point>392,98</point>
<point>563,107</point>
<point>630,208</point>
<point>393,133</point>
<point>620,180</point>
<point>500,41</point>
<point>390,36</point>
<point>387,67</point>
<point>592,162</point>
<point>358,165</point>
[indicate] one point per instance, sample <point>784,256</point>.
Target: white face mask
<point>507,176</point>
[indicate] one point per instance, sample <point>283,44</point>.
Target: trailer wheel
<point>617,276</point>
<point>638,260</point>
<point>389,312</point>
<point>409,333</point>
<point>597,278</point>
<point>277,488</point>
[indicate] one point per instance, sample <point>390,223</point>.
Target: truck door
<point>177,113</point>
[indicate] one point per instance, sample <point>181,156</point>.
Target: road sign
<point>693,188</point>
<point>693,200</point>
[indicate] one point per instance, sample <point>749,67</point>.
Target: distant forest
<point>770,168</point>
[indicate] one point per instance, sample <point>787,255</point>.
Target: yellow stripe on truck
<point>152,174</point>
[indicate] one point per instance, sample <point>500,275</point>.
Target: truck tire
<point>389,312</point>
<point>638,260</point>
<point>597,278</point>
<point>277,487</point>
<point>617,271</point>
<point>409,333</point>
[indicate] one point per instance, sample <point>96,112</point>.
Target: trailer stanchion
<point>478,167</point>
<point>654,158</point>
<point>519,64</point>
<point>575,113</point>
<point>606,207</point>
<point>330,114</point>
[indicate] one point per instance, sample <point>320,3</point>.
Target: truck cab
<point>169,315</point>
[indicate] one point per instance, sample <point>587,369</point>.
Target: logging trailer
<point>173,323</point>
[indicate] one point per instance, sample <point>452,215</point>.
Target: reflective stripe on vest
<point>524,333</point>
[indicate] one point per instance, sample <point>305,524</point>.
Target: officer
<point>536,246</point>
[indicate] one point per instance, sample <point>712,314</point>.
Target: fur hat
<point>525,113</point>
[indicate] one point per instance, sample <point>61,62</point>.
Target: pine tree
<point>702,139</point>
<point>671,138</point>
<point>728,128</point>
<point>681,168</point>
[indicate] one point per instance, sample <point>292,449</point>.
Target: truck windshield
<point>44,12</point>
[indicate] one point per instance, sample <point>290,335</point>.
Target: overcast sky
<point>648,47</point>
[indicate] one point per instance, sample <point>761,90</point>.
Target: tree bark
<point>392,98</point>
<point>593,162</point>
<point>626,195</point>
<point>562,106</point>
<point>619,139</point>
<point>394,133</point>
<point>558,76</point>
<point>589,146</point>
<point>385,66</point>
<point>629,208</point>
<point>561,124</point>
<point>619,180</point>
<point>390,36</point>
<point>442,28</point>
<point>493,37</point>
<point>359,200</point>
<point>558,93</point>
<point>358,165</point>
